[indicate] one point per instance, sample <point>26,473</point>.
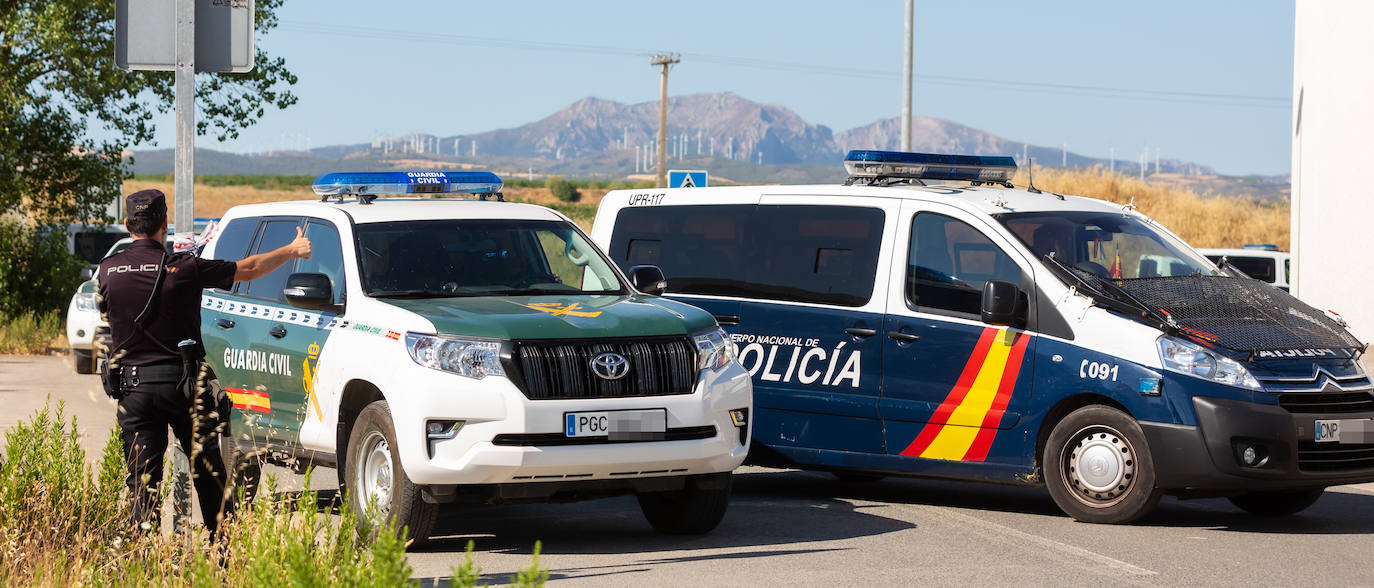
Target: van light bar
<point>929,166</point>
<point>413,182</point>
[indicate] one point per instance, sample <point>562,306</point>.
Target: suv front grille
<point>1333,457</point>
<point>1328,403</point>
<point>561,369</point>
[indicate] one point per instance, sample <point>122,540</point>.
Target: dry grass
<point>1200,220</point>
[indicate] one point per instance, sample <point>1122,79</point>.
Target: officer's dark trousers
<point>144,416</point>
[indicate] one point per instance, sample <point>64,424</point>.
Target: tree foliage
<point>60,90</point>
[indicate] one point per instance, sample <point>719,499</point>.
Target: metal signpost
<point>185,36</point>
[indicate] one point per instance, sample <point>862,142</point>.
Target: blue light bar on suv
<point>417,182</point>
<point>929,166</point>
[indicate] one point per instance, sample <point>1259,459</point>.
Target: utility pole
<point>663,62</point>
<point>906,74</point>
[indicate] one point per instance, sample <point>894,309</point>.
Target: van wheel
<point>1278,503</point>
<point>245,471</point>
<point>692,510</point>
<point>1098,467</point>
<point>84,361</point>
<point>380,491</point>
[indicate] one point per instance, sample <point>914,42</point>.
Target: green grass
<point>259,182</point>
<point>30,333</point>
<point>64,522</point>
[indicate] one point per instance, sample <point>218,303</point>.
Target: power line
<point>1212,98</point>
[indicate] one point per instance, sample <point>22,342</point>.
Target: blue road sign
<point>686,178</point>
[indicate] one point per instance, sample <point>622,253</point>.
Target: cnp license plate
<point>1354,430</point>
<point>617,425</point>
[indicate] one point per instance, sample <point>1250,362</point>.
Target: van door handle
<point>277,331</point>
<point>224,323</point>
<point>727,319</point>
<point>904,337</point>
<point>861,332</point>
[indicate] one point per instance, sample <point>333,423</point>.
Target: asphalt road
<point>802,528</point>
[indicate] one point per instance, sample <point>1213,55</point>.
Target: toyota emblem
<point>610,365</point>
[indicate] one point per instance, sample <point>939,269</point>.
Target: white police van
<point>981,332</point>
<point>443,349</point>
<point>1262,262</point>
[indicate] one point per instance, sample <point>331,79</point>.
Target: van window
<point>1259,268</point>
<point>798,253</point>
<point>701,249</point>
<point>232,242</point>
<point>326,257</point>
<point>948,263</point>
<point>275,234</point>
<point>817,254</point>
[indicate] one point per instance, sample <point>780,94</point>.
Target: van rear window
<point>815,254</point>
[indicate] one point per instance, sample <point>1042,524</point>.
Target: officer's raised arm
<point>257,266</point>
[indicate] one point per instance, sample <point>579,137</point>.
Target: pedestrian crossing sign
<point>680,178</point>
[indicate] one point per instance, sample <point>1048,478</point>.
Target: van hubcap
<point>1099,466</point>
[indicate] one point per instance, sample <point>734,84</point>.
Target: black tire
<point>857,477</point>
<point>372,446</point>
<point>245,471</point>
<point>1117,484</point>
<point>1277,503</point>
<point>84,361</point>
<point>696,509</point>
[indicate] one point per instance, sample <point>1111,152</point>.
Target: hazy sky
<point>1207,81</point>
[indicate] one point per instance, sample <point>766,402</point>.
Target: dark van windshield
<point>1106,244</point>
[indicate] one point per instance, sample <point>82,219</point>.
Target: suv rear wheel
<point>1277,503</point>
<point>693,510</point>
<point>1098,467</point>
<point>84,360</point>
<point>378,486</point>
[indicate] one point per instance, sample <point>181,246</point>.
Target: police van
<point>981,332</point>
<point>1262,262</point>
<point>436,349</point>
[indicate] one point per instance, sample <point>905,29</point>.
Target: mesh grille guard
<point>1239,314</point>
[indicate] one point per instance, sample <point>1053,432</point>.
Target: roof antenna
<point>1030,174</point>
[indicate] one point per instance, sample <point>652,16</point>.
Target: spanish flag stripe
<point>255,400</point>
<point>983,443</point>
<point>963,425</point>
<point>956,396</point>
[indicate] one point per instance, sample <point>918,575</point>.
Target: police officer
<point>151,300</point>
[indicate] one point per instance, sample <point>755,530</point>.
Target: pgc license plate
<point>1344,431</point>
<point>618,425</point>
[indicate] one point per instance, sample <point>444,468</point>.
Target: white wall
<point>1333,159</point>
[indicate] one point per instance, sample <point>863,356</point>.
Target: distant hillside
<point>598,139</point>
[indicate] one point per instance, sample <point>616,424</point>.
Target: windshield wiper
<point>1112,296</point>
<point>421,293</point>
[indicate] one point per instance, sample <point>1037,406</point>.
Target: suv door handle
<point>726,319</point>
<point>224,323</point>
<point>904,337</point>
<point>861,332</point>
<point>277,331</point>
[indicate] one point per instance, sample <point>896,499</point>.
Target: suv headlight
<point>714,349</point>
<point>85,302</point>
<point>466,357</point>
<point>1194,360</point>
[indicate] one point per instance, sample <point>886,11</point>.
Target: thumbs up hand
<point>300,246</point>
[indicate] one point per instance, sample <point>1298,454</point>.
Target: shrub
<point>37,273</point>
<point>29,333</point>
<point>563,189</point>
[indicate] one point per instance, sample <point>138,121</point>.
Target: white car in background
<point>1261,262</point>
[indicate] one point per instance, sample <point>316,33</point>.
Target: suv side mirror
<point>1001,303</point>
<point>648,279</point>
<point>88,272</point>
<point>309,291</point>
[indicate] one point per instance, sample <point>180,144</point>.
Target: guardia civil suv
<point>436,349</point>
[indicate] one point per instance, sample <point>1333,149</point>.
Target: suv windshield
<point>1106,244</point>
<point>436,258</point>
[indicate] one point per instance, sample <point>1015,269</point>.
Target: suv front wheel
<point>378,486</point>
<point>695,509</point>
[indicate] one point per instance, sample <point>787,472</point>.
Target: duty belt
<point>134,375</point>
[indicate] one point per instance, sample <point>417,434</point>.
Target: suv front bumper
<point>1208,457</point>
